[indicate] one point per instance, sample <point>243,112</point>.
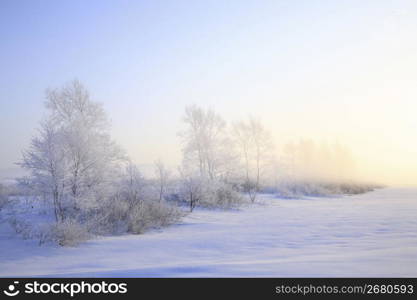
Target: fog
<point>336,80</point>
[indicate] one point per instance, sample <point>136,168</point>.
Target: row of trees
<point>240,157</point>
<point>232,157</point>
<point>94,188</point>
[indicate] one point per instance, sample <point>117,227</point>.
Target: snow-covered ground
<point>373,234</point>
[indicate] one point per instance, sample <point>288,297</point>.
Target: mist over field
<point>208,138</point>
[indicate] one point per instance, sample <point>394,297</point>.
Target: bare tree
<point>254,144</point>
<point>133,185</point>
<point>191,188</point>
<point>162,177</point>
<point>204,140</point>
<point>46,160</point>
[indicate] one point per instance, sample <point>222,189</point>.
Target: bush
<point>131,212</point>
<point>307,188</point>
<point>128,205</point>
<point>109,218</point>
<point>21,227</point>
<point>220,194</point>
<point>4,198</point>
<point>27,231</point>
<point>149,214</point>
<point>67,233</point>
<point>209,193</point>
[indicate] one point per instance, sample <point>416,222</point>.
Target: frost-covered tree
<point>162,177</point>
<point>191,188</point>
<point>45,159</point>
<point>132,185</point>
<point>73,158</point>
<point>254,145</point>
<point>206,146</point>
<point>209,160</point>
<point>92,186</point>
<point>91,155</point>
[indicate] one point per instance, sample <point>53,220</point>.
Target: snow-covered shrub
<point>134,207</point>
<point>130,205</point>
<point>4,198</point>
<point>355,188</point>
<point>22,227</point>
<point>44,234</point>
<point>292,189</point>
<point>122,216</point>
<point>191,190</point>
<point>27,230</point>
<point>109,218</point>
<point>151,215</point>
<point>208,193</point>
<point>220,194</point>
<point>68,233</point>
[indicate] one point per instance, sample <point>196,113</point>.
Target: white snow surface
<point>368,235</point>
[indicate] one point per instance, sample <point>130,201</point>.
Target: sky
<point>337,71</point>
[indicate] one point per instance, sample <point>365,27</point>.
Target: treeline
<point>92,188</point>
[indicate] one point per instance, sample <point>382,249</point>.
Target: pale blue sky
<point>333,70</point>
